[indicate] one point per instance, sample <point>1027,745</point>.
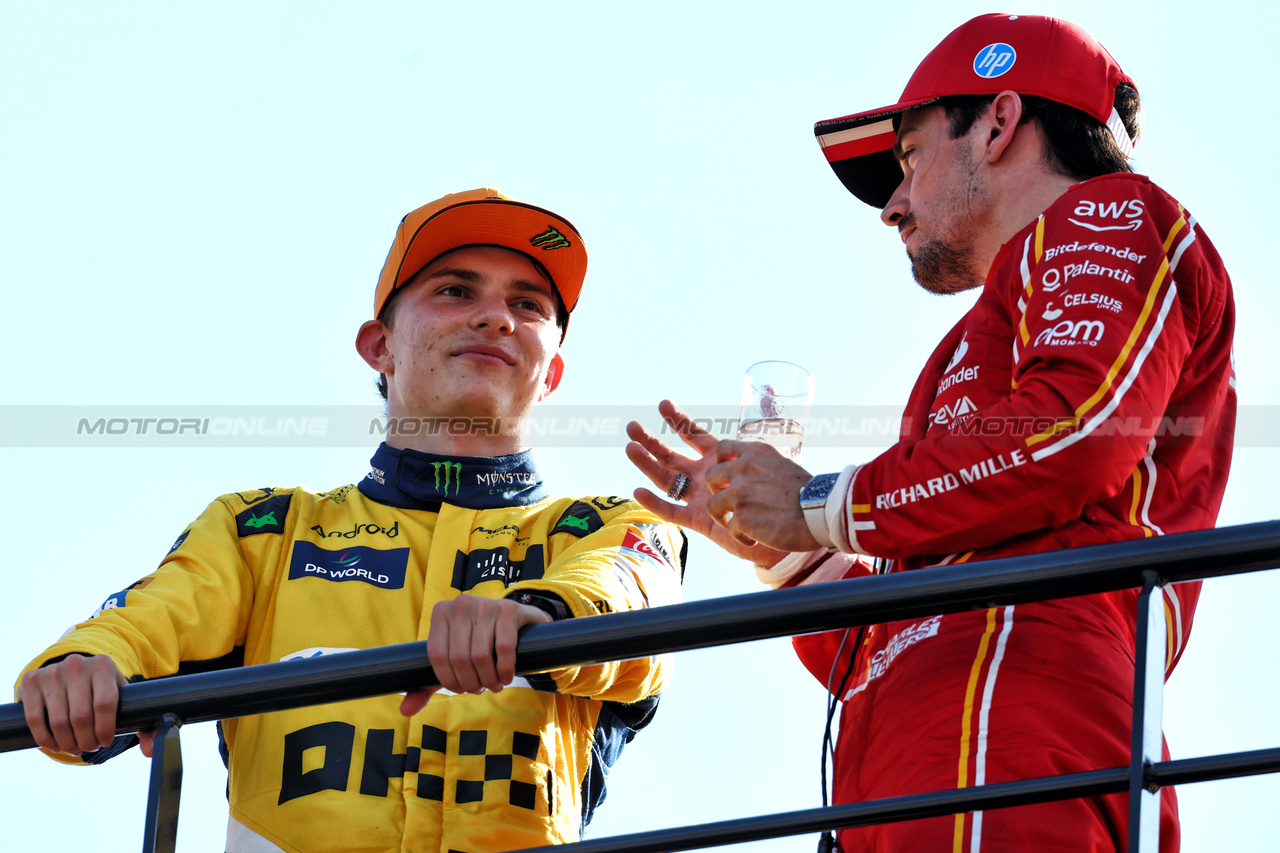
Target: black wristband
<point>547,602</point>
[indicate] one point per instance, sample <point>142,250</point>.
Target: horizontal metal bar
<point>254,689</point>
<point>916,806</point>
<point>700,624</point>
<point>887,810</point>
<point>1208,768</point>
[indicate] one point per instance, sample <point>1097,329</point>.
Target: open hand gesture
<point>663,466</point>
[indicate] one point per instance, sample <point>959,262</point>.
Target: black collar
<point>411,479</point>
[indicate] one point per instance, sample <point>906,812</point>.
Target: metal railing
<point>1146,564</point>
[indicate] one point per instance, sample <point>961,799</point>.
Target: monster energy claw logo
<point>550,239</point>
<point>452,472</point>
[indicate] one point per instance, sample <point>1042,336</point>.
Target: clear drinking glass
<point>776,399</point>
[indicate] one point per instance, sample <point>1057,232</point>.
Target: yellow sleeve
<point>607,555</point>
<point>193,608</point>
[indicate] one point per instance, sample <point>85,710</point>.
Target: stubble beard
<point>949,264</point>
<point>943,268</point>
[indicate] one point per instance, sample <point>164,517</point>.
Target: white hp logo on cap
<point>994,60</point>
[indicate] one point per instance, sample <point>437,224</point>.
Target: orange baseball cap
<point>484,217</point>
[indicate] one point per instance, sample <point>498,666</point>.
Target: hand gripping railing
<point>1148,564</point>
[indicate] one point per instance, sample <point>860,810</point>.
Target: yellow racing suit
<point>281,574</point>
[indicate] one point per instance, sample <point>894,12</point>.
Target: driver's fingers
<point>106,681</point>
<point>35,709</point>
<point>647,442</point>
<point>439,644</point>
<point>675,513</point>
<point>663,475</point>
<point>416,700</point>
<point>720,508</point>
<point>90,689</point>
<point>689,430</point>
<point>480,657</point>
<point>506,636</point>
<point>736,532</point>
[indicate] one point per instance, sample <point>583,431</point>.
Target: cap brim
<point>859,148</point>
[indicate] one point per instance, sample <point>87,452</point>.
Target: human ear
<point>1000,124</point>
<point>371,343</point>
<point>555,370</point>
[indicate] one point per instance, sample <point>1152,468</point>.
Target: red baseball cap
<point>484,217</point>
<point>1027,54</point>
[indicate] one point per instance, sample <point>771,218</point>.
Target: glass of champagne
<point>776,399</point>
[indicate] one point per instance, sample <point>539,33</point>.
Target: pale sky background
<point>195,201</point>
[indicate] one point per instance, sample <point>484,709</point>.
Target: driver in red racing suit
<point>1116,346</point>
<point>1087,397</point>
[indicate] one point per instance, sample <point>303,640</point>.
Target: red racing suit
<point>1087,397</point>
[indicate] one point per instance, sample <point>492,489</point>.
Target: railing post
<point>160,834</point>
<point>1148,707</point>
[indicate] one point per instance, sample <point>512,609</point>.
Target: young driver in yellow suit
<point>449,538</point>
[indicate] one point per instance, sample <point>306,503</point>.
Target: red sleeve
<point>1093,309</point>
<point>818,652</point>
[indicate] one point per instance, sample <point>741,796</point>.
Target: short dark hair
<point>388,315</point>
<point>1076,145</point>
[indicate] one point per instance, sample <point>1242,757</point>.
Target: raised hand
<point>662,466</point>
<point>756,496</point>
